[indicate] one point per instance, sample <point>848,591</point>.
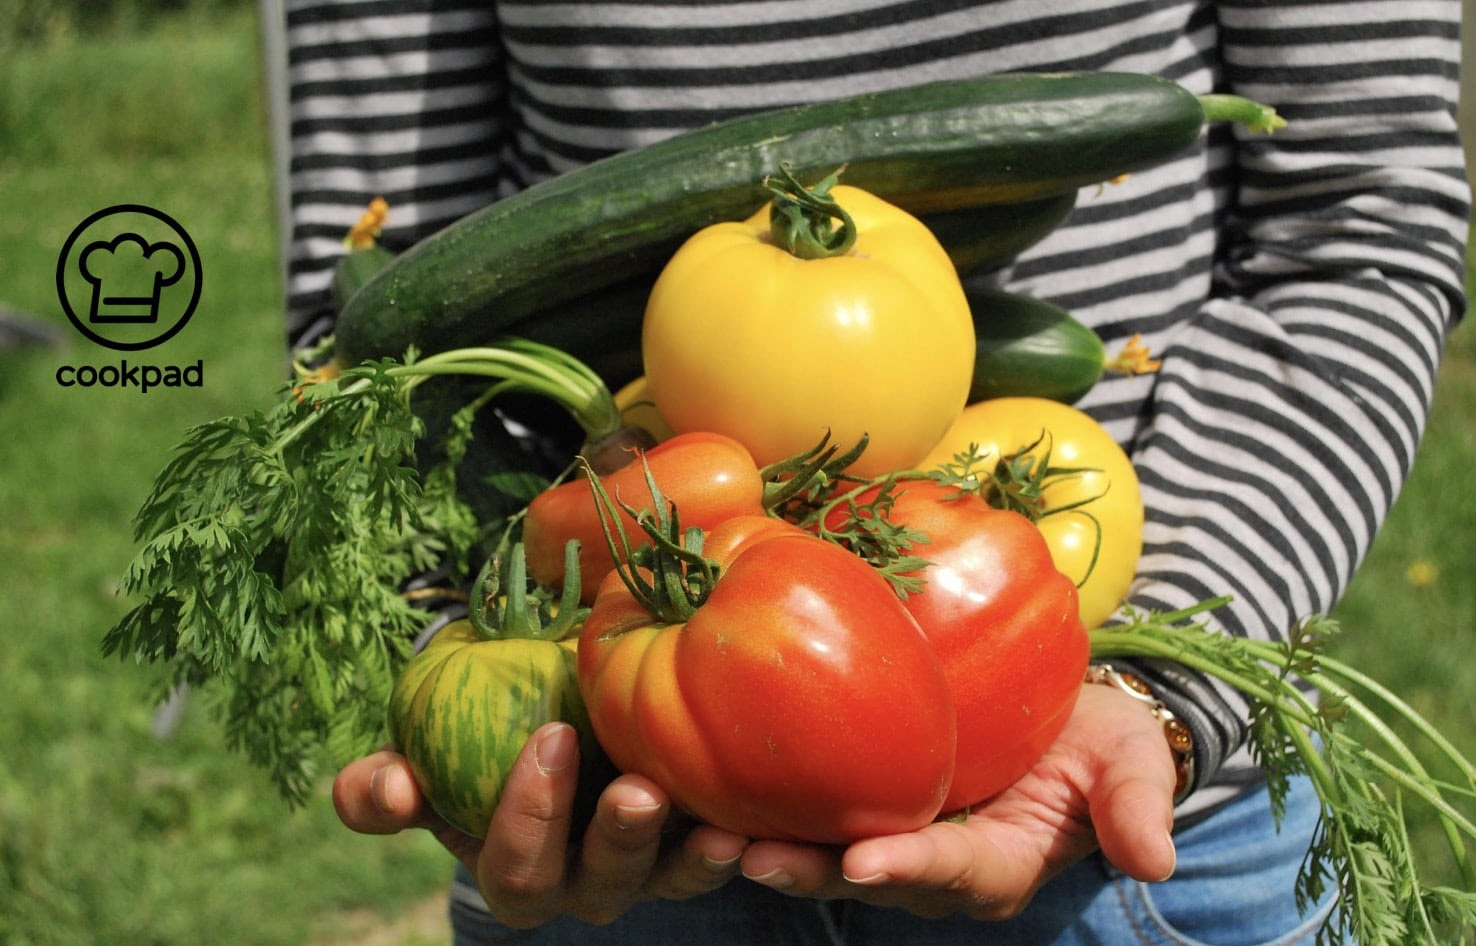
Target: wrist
<point>1177,735</point>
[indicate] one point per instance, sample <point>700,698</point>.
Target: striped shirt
<point>1298,288</point>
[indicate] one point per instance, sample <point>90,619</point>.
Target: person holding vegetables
<point>1296,290</point>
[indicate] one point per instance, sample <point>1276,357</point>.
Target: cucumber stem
<point>1257,118</point>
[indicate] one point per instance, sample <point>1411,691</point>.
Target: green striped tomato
<point>464,706</point>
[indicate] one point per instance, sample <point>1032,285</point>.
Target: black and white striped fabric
<point>1298,288</point>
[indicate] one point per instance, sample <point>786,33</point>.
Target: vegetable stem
<point>1406,712</point>
<point>522,365</point>
<point>1364,840</point>
<point>800,218</point>
<point>502,606</point>
<point>669,577</point>
<point>532,367</point>
<point>275,548</point>
<point>1257,118</point>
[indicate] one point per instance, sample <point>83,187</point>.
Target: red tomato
<point>1004,623</point>
<point>709,476</point>
<point>799,701</point>
<point>1092,519</point>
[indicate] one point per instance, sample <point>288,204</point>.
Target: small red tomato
<point>710,477</point>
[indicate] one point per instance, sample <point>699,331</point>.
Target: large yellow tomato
<point>1101,504</point>
<point>744,338</point>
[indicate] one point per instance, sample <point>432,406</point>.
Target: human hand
<point>527,868</point>
<point>1108,782</point>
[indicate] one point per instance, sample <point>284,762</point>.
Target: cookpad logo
<point>128,277</point>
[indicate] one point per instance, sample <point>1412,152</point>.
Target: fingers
<point>529,873</point>
<point>941,869</point>
<point>628,854</point>
<point>620,849</point>
<point>800,869</point>
<point>1127,781</point>
<point>1107,783</point>
<point>708,858</point>
<point>939,856</point>
<point>522,866</point>
<point>378,795</point>
<point>987,867</point>
<point>527,868</point>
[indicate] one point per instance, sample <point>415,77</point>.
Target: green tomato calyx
<point>505,604</point>
<point>802,220</point>
<point>670,577</point>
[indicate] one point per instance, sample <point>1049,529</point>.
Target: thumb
<point>1133,814</point>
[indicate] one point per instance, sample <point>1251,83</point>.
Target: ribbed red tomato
<point>797,700</point>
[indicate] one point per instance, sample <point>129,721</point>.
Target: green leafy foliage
<point>274,550</point>
<point>1364,773</point>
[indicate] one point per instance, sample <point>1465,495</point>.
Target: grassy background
<point>109,835</point>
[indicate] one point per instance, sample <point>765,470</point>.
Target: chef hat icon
<point>127,274</point>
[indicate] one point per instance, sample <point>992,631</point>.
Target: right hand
<point>528,867</point>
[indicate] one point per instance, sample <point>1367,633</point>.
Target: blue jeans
<point>1233,887</point>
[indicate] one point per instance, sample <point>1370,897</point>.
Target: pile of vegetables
<point>846,575</point>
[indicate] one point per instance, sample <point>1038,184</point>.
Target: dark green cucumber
<point>601,329</point>
<point>355,268</point>
<point>1028,347</point>
<point>941,146</point>
<point>983,238</point>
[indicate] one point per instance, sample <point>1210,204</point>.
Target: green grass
<point>1409,618</point>
<point>109,835</point>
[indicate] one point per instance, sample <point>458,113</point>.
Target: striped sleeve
<point>391,98</point>
<point>1291,404</point>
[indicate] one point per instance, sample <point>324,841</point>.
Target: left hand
<point>1107,783</point>
<point>633,849</point>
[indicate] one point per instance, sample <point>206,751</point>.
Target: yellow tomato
<point>638,409</point>
<point>743,338</point>
<point>1101,503</point>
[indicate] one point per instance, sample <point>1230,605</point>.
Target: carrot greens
<point>275,549</point>
<point>1364,771</point>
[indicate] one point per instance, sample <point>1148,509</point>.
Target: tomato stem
<point>800,218</point>
<point>680,577</point>
<point>503,605</point>
<point>1018,482</point>
<point>798,484</point>
<point>864,528</point>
